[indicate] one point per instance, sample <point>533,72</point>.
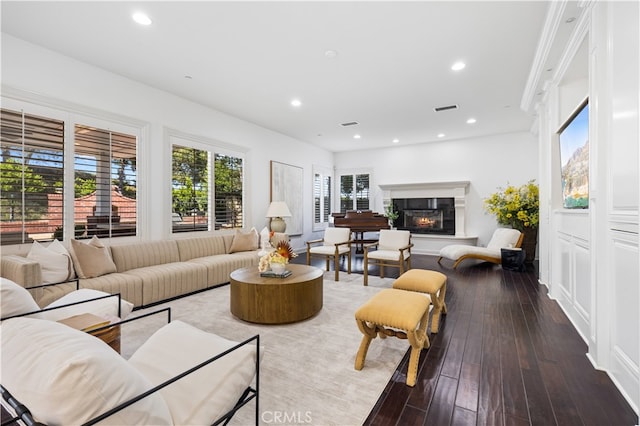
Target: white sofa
<point>145,273</point>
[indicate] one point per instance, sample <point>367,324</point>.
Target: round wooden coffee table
<point>265,300</point>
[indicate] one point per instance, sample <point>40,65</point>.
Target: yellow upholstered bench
<point>431,282</point>
<point>405,313</point>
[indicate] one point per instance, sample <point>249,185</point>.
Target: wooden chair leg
<point>336,266</point>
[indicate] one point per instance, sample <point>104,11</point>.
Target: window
<point>193,170</point>
<point>31,178</point>
<point>105,181</point>
<point>321,198</point>
<point>354,192</point>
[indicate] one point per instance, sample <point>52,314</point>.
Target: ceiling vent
<point>445,108</point>
<point>350,123</point>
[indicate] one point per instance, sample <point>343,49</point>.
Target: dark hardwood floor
<point>506,354</point>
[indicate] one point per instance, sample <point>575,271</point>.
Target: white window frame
<point>322,222</point>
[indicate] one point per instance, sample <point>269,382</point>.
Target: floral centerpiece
<point>516,206</point>
<point>280,256</point>
<point>519,208</point>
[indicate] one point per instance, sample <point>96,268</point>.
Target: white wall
<point>59,79</point>
<point>591,261</point>
<point>488,163</point>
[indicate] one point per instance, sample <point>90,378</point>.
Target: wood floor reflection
<point>505,355</point>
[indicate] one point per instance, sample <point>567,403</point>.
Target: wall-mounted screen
<point>574,158</point>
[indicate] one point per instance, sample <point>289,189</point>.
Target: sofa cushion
<point>244,241</point>
<point>192,248</point>
<point>208,393</point>
<point>142,255</point>
<point>161,282</point>
<point>91,259</point>
<point>72,382</point>
<point>55,262</point>
<point>15,299</point>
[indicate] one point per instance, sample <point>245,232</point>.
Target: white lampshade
<point>278,209</point>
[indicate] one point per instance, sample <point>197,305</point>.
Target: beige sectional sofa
<point>149,272</point>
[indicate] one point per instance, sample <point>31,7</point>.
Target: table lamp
<point>277,210</point>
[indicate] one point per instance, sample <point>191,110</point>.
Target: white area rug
<point>307,373</point>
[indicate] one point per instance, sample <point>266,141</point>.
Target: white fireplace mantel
<point>456,190</point>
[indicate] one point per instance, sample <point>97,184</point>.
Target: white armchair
<point>501,238</point>
<point>17,301</point>
<point>336,243</point>
<point>180,375</point>
<point>393,249</point>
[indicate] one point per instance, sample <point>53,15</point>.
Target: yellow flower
<point>517,207</point>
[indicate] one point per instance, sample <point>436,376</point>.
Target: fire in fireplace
<point>425,215</point>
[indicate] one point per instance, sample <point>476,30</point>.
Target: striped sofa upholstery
<point>153,271</point>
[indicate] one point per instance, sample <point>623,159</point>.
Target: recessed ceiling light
<point>441,135</point>
<point>330,54</point>
<point>141,18</point>
<point>357,136</point>
<point>188,77</point>
<point>570,20</point>
<point>296,103</point>
<point>396,140</point>
<point>458,66</point>
<point>471,121</point>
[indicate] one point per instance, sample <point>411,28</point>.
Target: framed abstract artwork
<point>286,185</point>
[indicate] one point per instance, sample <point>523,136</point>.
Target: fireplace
<point>426,215</point>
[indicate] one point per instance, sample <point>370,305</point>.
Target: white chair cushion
<point>206,394</point>
<point>393,239</point>
<point>456,251</point>
<point>333,236</point>
<point>503,238</point>
<point>106,308</point>
<point>16,300</point>
<point>387,255</point>
<point>329,250</point>
<point>66,377</point>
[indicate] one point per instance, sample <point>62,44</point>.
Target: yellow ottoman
<point>405,313</point>
<point>431,282</point>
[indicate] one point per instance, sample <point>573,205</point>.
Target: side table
<point>512,259</point>
<point>89,322</point>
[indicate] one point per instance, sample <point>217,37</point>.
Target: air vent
<point>350,123</point>
<point>445,108</point>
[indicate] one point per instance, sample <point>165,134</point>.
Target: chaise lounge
<point>502,238</point>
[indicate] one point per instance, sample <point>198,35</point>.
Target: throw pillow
<point>54,264</point>
<point>208,393</point>
<point>106,308</point>
<point>58,247</point>
<point>15,300</point>
<point>67,377</point>
<point>92,259</point>
<point>244,242</point>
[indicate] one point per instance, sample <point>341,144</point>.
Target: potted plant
<point>390,214</point>
<point>518,207</point>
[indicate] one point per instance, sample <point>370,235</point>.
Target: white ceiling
<point>250,59</point>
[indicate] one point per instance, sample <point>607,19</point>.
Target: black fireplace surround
<point>425,215</point>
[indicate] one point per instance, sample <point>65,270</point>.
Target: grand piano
<point>360,221</point>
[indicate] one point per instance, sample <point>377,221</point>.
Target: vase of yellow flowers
<point>278,259</point>
<point>518,207</point>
